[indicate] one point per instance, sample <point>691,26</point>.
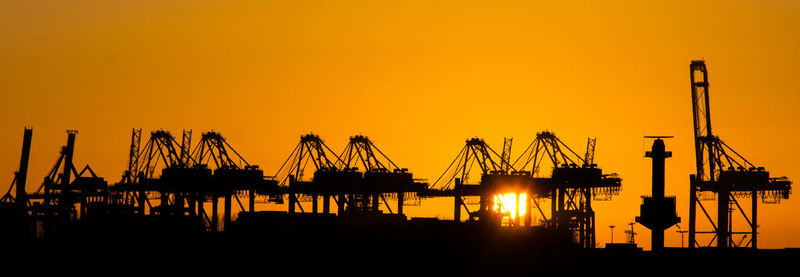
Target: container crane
<point>726,173</point>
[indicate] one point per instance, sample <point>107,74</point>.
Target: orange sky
<point>417,77</point>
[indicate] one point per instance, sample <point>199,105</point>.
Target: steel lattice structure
<point>571,186</point>
<point>496,176</point>
<point>725,173</point>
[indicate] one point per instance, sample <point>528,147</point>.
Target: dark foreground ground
<point>268,244</point>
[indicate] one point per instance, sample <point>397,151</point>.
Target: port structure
<point>19,201</point>
<point>493,177</point>
<point>338,177</point>
<point>232,177</point>
<point>571,186</point>
<point>724,173</point>
<point>165,178</point>
<point>188,178</point>
<point>66,195</point>
<point>141,182</point>
<point>327,180</point>
<point>657,211</point>
<point>381,178</point>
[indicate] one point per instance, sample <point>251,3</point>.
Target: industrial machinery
<point>382,178</point>
<point>498,179</point>
<point>723,172</point>
<point>180,180</point>
<point>327,181</point>
<point>571,186</point>
<point>188,179</point>
<point>233,176</point>
<point>66,195</point>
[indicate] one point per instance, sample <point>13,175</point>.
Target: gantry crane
<point>382,177</point>
<point>181,177</point>
<point>726,173</point>
<point>496,180</point>
<point>233,175</point>
<point>66,194</point>
<point>328,180</point>
<point>573,184</point>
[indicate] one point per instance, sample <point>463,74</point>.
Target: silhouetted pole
<point>292,198</point>
<point>722,217</point>
<point>66,200</point>
<point>529,209</point>
<point>227,215</point>
<point>192,201</point>
<point>140,197</point>
<point>340,204</point>
<point>214,209</point>
<point>179,204</point>
<point>400,200</point>
<point>201,200</point>
<point>252,202</point>
<point>632,239</point>
<point>563,221</point>
<point>590,242</point>
<point>754,223</point>
<point>314,203</point>
<point>681,232</point>
<point>553,209</point>
<point>457,201</point>
<point>22,174</point>
<point>612,232</point>
<point>692,209</point>
<point>163,210</point>
<point>326,204</point>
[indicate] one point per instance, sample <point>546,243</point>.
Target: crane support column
<point>251,205</point>
<point>400,202</point>
<point>326,203</point>
<point>227,212</point>
<point>692,211</point>
<point>314,203</point>
<point>723,226</point>
<point>340,204</point>
<point>292,197</point>
<point>141,196</point>
<point>214,210</point>
<point>754,223</point>
<point>22,174</point>
<point>66,201</point>
<point>457,201</point>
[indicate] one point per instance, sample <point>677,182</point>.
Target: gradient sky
<point>417,77</point>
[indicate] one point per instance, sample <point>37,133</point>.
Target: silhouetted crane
<point>382,177</point>
<point>723,171</point>
<point>233,175</point>
<point>572,185</point>
<point>495,180</point>
<point>329,181</point>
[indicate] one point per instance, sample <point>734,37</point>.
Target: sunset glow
<point>507,203</point>
<point>418,78</point>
